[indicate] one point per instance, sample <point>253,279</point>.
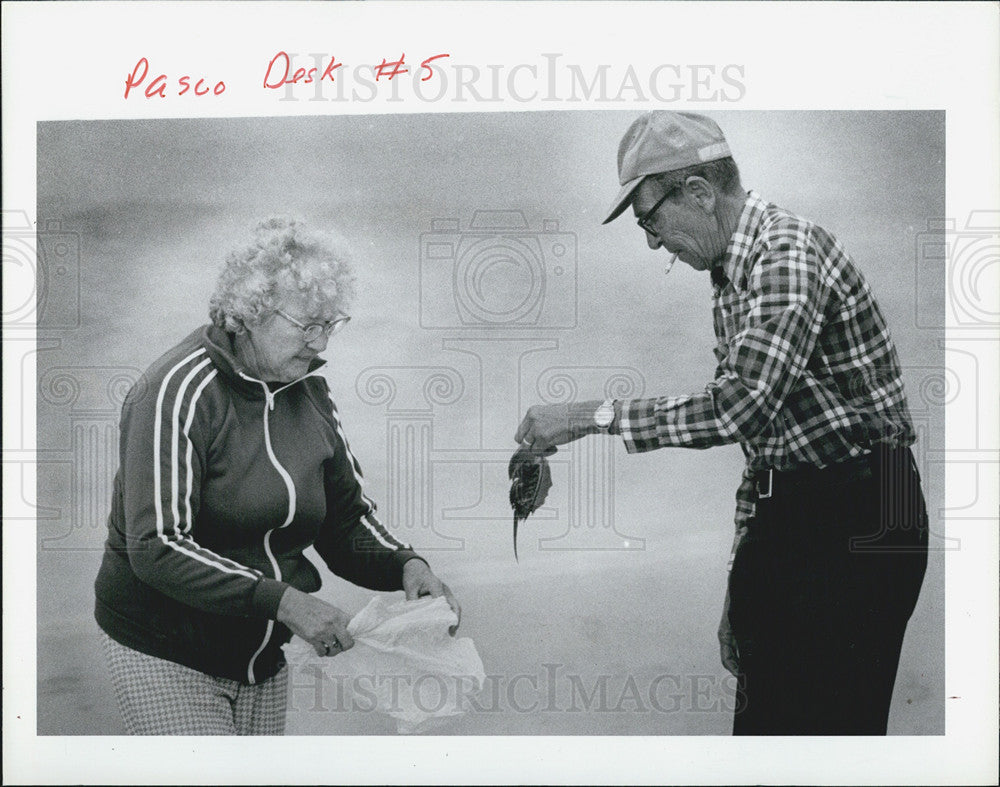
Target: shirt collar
<point>219,345</point>
<point>742,239</point>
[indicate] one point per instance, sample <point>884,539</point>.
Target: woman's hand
<point>322,625</point>
<point>419,580</point>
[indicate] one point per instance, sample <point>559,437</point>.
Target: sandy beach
<point>570,647</point>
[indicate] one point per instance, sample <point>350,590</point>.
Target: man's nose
<point>653,241</point>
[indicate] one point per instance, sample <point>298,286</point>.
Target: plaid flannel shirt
<point>807,372</point>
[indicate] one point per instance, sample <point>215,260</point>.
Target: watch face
<point>605,415</point>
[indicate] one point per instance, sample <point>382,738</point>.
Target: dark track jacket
<point>224,480</point>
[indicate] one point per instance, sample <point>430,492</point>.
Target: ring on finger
<point>328,647</point>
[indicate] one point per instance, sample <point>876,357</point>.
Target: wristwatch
<point>604,415</point>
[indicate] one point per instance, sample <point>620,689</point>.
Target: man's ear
<point>702,192</point>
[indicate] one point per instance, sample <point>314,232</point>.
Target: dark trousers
<point>821,591</point>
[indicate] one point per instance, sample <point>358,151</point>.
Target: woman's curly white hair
<point>284,256</point>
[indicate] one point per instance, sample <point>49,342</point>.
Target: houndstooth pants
<point>159,697</point>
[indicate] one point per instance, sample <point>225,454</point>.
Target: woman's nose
<point>319,343</point>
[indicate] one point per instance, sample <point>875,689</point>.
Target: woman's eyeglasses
<point>314,330</point>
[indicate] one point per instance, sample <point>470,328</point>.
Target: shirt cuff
<point>267,596</point>
<point>637,425</point>
<point>405,556</point>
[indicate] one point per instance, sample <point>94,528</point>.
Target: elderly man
<point>831,527</point>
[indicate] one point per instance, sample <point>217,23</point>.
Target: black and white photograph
<point>491,311</point>
<point>630,418</point>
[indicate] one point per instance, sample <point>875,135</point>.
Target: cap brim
<point>624,199</point>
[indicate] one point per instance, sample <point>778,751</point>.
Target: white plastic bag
<point>403,663</point>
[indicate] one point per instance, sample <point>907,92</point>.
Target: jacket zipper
<point>269,397</point>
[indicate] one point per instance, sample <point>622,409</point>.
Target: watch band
<point>604,416</point>
<point>616,422</point>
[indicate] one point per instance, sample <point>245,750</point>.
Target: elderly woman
<point>233,461</point>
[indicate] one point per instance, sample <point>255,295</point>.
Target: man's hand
<point>322,625</point>
<point>548,425</point>
<point>728,650</point>
<point>419,580</point>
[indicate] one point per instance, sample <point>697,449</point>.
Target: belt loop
<point>770,485</point>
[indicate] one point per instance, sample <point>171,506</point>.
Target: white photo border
<point>70,60</point>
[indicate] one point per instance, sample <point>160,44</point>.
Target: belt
<point>771,482</point>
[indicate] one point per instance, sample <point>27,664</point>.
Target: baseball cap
<point>662,141</point>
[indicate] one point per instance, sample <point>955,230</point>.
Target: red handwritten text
<point>158,85</point>
<point>396,65</point>
<point>277,72</point>
<point>430,71</point>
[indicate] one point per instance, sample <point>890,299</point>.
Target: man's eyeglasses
<point>314,330</point>
<point>645,220</point>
